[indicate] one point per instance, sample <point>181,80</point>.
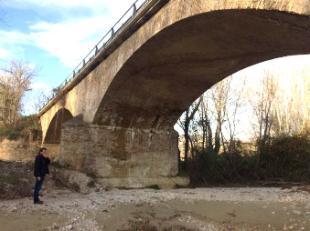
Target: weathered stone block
<point>118,153</point>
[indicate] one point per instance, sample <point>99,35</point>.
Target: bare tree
<point>41,101</point>
<point>15,81</point>
<point>185,123</point>
<point>291,111</point>
<point>276,111</point>
<point>262,104</point>
<point>204,122</point>
<point>234,103</point>
<point>219,95</point>
<point>211,117</point>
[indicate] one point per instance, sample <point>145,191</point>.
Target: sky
<point>53,36</point>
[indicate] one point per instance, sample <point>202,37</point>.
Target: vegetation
<point>284,159</point>
<point>27,128</point>
<point>279,149</point>
<point>15,80</point>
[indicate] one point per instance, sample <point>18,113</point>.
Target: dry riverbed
<point>147,209</point>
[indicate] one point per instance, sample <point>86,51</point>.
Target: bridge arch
<point>174,67</point>
<point>132,92</point>
<point>53,133</point>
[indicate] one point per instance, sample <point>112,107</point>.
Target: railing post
<point>112,31</point>
<point>96,50</point>
<point>83,62</point>
<point>134,8</point>
<point>73,73</point>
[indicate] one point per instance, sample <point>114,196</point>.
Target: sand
<point>147,209</point>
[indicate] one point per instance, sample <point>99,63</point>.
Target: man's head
<point>43,151</point>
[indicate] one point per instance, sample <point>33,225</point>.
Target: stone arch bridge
<point>115,118</point>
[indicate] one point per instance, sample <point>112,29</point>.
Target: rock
<point>55,226</point>
<point>13,210</point>
<point>296,212</point>
<point>154,183</point>
<point>77,181</point>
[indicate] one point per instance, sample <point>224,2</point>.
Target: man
<point>40,170</point>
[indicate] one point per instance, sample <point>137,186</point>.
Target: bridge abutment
<point>122,157</point>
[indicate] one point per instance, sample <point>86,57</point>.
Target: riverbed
<point>148,209</point>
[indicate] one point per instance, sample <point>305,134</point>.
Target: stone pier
<point>122,157</point>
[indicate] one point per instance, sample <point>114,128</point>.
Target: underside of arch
<point>177,65</point>
<point>53,134</point>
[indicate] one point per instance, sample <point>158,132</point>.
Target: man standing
<point>40,170</point>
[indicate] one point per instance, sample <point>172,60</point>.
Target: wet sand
<point>209,215</point>
<point>35,221</point>
<point>183,209</point>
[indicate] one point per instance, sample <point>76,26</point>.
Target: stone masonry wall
<point>118,153</point>
<point>18,150</point>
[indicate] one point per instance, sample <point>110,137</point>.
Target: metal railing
<point>103,43</point>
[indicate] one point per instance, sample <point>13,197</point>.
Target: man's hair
<point>42,149</point>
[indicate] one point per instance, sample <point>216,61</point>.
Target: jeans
<point>37,189</point>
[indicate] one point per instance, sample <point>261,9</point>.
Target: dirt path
<point>183,209</point>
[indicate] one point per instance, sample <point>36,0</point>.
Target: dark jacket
<point>41,166</point>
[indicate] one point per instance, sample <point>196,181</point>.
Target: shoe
<point>38,202</point>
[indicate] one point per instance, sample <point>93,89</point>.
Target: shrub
<point>286,158</point>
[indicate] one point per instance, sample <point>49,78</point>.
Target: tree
<point>185,123</point>
<point>234,103</point>
<point>215,116</point>
<point>291,111</point>
<point>262,104</point>
<point>204,122</point>
<point>219,94</point>
<point>15,81</point>
<point>41,101</point>
<point>212,116</point>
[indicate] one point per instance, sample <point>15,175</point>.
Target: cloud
<point>97,7</point>
<point>31,99</point>
<point>11,37</point>
<point>72,38</point>
<point>5,54</point>
<point>11,43</point>
<point>57,3</point>
<point>41,86</point>
<point>71,3</point>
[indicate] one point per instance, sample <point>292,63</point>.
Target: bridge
<point>115,114</point>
